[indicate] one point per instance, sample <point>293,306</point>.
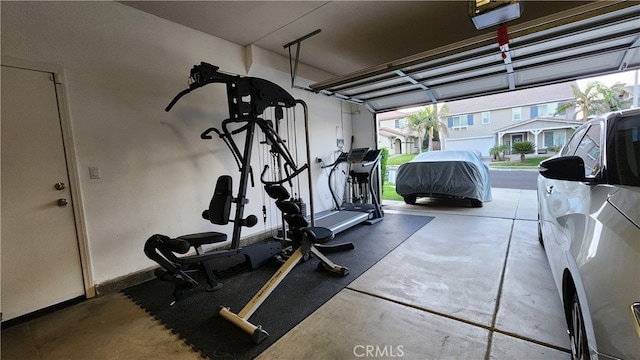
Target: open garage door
<point>596,39</point>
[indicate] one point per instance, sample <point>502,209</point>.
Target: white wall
<point>363,130</point>
<point>324,117</point>
<point>122,67</point>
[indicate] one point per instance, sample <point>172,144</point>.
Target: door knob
<point>60,186</point>
<point>63,202</point>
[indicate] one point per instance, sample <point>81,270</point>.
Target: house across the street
<point>484,122</point>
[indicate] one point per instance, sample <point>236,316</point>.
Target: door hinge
<point>54,79</point>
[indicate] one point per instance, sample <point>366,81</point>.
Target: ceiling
<point>393,54</point>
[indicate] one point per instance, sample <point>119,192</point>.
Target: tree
<point>587,102</point>
<point>522,148</point>
<point>436,122</point>
<point>498,151</point>
<point>597,99</point>
<point>417,123</point>
<point>616,97</point>
<point>383,164</point>
<point>426,121</point>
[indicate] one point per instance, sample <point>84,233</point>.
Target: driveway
<point>474,283</point>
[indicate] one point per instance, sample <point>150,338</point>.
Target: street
<point>514,179</point>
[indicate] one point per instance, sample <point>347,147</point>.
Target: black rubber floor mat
<point>303,291</point>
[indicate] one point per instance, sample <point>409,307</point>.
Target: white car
<point>589,225</point>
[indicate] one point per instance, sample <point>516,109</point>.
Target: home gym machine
<point>362,205</point>
<point>248,98</point>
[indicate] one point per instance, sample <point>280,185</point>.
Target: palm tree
<point>589,102</point>
<point>428,120</point>
<point>417,123</point>
<point>597,99</point>
<point>436,122</point>
<point>616,97</point>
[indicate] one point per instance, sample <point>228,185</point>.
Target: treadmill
<point>352,213</point>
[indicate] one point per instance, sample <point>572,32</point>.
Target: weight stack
<point>302,205</point>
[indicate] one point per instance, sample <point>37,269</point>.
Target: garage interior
<point>134,170</point>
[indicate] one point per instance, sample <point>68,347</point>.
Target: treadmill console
<point>342,157</point>
<point>357,155</point>
<point>371,156</point>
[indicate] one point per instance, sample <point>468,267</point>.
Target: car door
<point>559,201</point>
<point>575,226</point>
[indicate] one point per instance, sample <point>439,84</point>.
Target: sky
<point>627,77</point>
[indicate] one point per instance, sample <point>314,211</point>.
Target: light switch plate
<point>94,172</point>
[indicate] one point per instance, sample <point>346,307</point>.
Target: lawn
<point>389,192</point>
<point>400,159</point>
<point>532,161</point>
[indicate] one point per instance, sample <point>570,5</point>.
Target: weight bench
<point>163,249</point>
<point>306,240</point>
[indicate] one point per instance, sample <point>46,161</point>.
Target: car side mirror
<point>569,168</point>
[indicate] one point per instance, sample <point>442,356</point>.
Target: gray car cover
<point>455,173</point>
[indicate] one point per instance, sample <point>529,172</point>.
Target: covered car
<point>452,174</point>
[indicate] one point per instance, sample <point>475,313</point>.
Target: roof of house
<point>391,115</point>
<point>545,122</point>
<point>539,95</point>
<point>389,132</point>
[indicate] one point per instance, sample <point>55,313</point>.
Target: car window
<point>589,150</point>
<point>573,142</point>
<point>626,146</point>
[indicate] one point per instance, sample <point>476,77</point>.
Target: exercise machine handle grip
<point>176,98</point>
<point>286,179</point>
<point>250,221</point>
<point>205,134</point>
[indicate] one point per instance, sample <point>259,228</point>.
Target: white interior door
<point>40,262</point>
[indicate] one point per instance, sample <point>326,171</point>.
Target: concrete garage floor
<point>472,284</point>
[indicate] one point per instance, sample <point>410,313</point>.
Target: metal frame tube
<point>310,181</point>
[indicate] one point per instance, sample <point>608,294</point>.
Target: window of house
<point>554,138</point>
<point>563,111</point>
<point>516,114</point>
<point>545,110</point>
<point>486,118</point>
<point>399,123</point>
<point>460,121</point>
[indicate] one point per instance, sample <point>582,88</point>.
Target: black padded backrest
<point>288,207</point>
<point>296,221</point>
<point>276,191</point>
<point>220,205</point>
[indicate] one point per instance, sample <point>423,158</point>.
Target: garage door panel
<point>526,58</point>
<point>574,68</point>
<point>383,86</point>
<point>486,64</point>
<point>478,86</point>
<point>600,38</point>
<point>401,100</point>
